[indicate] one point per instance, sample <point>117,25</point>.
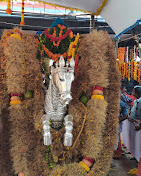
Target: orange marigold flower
<point>59,25</point>
<point>71,34</point>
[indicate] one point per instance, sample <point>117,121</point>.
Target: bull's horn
<point>61,62</point>
<point>72,62</point>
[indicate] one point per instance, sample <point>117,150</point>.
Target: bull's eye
<point>61,79</point>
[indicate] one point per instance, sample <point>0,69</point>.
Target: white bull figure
<point>57,97</point>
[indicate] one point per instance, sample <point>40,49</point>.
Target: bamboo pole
<point>92,23</point>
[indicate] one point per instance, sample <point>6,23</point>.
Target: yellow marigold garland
<point>132,66</point>
<point>87,169</point>
<point>129,71</point>
<point>135,70</point>
<point>124,70</point>
<point>139,73</point>
<point>72,47</point>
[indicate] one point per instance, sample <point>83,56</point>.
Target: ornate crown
<point>62,66</point>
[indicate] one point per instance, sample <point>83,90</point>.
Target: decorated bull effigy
<point>68,125</point>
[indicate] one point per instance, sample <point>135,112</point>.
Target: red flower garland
<point>46,32</point>
<point>76,63</point>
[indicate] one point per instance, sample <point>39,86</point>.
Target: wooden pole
<point>92,23</point>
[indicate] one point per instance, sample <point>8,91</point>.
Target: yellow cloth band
<point>97,97</point>
<point>15,36</point>
<point>87,169</point>
<point>104,2</point>
<point>15,102</point>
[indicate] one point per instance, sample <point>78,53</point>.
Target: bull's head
<point>63,75</point>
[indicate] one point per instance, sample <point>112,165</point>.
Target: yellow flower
<point>15,36</point>
<point>15,102</point>
<point>85,166</point>
<point>133,171</point>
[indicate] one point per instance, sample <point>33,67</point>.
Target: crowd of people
<point>130,108</point>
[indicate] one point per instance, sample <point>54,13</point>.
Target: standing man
<point>125,98</point>
<point>123,116</point>
<point>136,109</point>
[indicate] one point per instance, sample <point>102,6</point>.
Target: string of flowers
<point>52,38</point>
<point>8,10</point>
<point>129,71</point>
<point>54,57</point>
<point>72,47</point>
<point>135,70</point>
<point>60,34</point>
<point>124,70</point>
<point>22,23</point>
<point>39,40</point>
<point>132,66</point>
<point>139,73</point>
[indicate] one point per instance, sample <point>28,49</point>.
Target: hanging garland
<point>127,70</point>
<point>124,71</point>
<point>60,38</point>
<point>8,10</point>
<point>22,23</point>
<point>73,47</point>
<point>132,66</point>
<point>130,69</point>
<point>56,42</point>
<point>139,73</point>
<point>55,57</point>
<point>135,70</point>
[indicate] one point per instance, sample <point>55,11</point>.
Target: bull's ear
<point>72,62</point>
<point>50,62</point>
<point>61,62</point>
<point>56,64</point>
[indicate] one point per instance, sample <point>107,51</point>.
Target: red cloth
<point>97,88</point>
<point>89,159</point>
<point>132,97</point>
<point>118,151</point>
<point>139,168</point>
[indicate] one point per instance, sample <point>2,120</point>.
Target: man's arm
<point>124,112</point>
<point>137,126</point>
<point>124,117</point>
